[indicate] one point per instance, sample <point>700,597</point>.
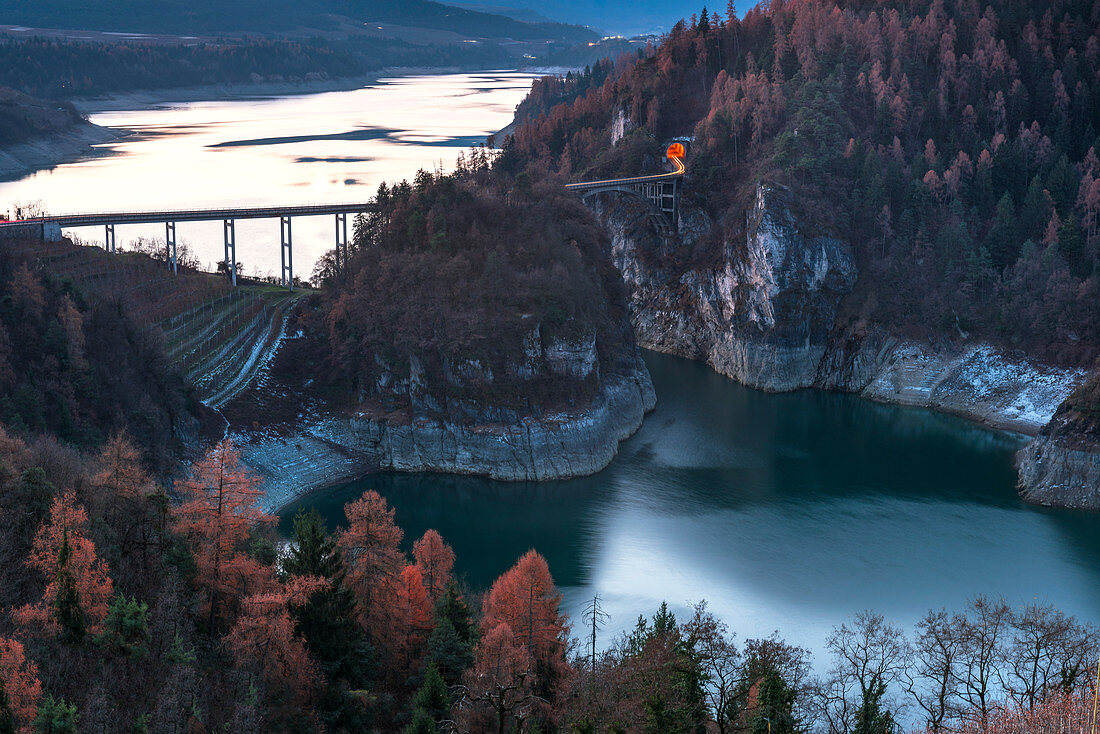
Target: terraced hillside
<point>222,345</point>
<point>219,336</point>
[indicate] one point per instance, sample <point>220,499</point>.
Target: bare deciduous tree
<point>1049,652</point>
<point>869,652</point>
<point>931,673</point>
<point>984,627</point>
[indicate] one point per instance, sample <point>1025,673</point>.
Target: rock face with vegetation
<point>896,200</point>
<point>1062,466</point>
<point>37,133</point>
<point>762,316</point>
<point>477,329</point>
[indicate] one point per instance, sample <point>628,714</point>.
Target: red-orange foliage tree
<point>20,689</point>
<point>525,599</point>
<point>411,614</point>
<point>371,544</point>
<point>263,638</point>
<point>78,588</point>
<point>498,692</point>
<point>435,559</point>
<point>220,507</point>
<point>133,505</point>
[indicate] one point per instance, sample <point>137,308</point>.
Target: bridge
<point>48,227</point>
<point>661,190</point>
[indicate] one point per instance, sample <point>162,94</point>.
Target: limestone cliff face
<point>762,317</point>
<point>327,449</point>
<point>765,313</point>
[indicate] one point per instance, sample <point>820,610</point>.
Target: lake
<point>785,512</point>
<point>330,147</point>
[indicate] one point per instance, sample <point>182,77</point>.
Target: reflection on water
<point>256,151</point>
<point>785,512</point>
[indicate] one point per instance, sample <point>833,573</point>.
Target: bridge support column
<point>230,229</point>
<point>287,252</point>
<point>109,241</point>
<point>341,242</point>
<point>170,245</point>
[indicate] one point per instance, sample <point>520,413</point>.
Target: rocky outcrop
<point>762,316</point>
<point>1062,466</point>
<point>973,381</point>
<point>325,450</point>
<point>1059,471</point>
<point>764,312</point>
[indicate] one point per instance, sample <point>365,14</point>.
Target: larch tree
<point>525,599</point>
<point>435,560</point>
<point>220,509</point>
<point>135,508</point>
<point>264,639</point>
<point>371,545</point>
<point>78,588</point>
<point>498,693</point>
<point>411,620</point>
<point>20,689</point>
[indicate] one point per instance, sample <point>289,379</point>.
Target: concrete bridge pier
<point>109,241</point>
<point>341,241</point>
<point>170,244</point>
<point>287,251</point>
<point>230,229</point>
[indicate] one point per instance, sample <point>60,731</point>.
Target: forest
<point>275,16</point>
<point>23,117</point>
<point>80,369</point>
<point>126,610</point>
<point>455,279</point>
<point>61,69</point>
<point>953,144</point>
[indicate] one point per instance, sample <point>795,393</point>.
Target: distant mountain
<point>613,17</point>
<point>274,16</point>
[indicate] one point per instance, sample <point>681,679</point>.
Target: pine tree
<point>448,652</point>
<point>453,609</point>
<point>775,707</point>
<point>127,626</point>
<point>433,698</point>
<point>56,717</point>
<point>421,724</point>
<point>872,718</point>
<point>328,622</point>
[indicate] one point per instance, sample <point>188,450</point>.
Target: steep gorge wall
<point>766,315</point>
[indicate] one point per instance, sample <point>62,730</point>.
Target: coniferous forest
<point>954,144</point>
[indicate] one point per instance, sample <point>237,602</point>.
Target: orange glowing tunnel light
<point>676,150</point>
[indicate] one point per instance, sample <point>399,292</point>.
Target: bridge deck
<point>194,215</point>
<point>586,185</point>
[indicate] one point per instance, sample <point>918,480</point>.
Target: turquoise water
<point>785,512</point>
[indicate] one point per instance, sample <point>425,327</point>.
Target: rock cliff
<point>324,449</point>
<point>1062,466</point>
<point>765,312</point>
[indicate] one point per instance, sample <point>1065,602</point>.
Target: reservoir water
<point>330,147</point>
<point>785,512</point>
